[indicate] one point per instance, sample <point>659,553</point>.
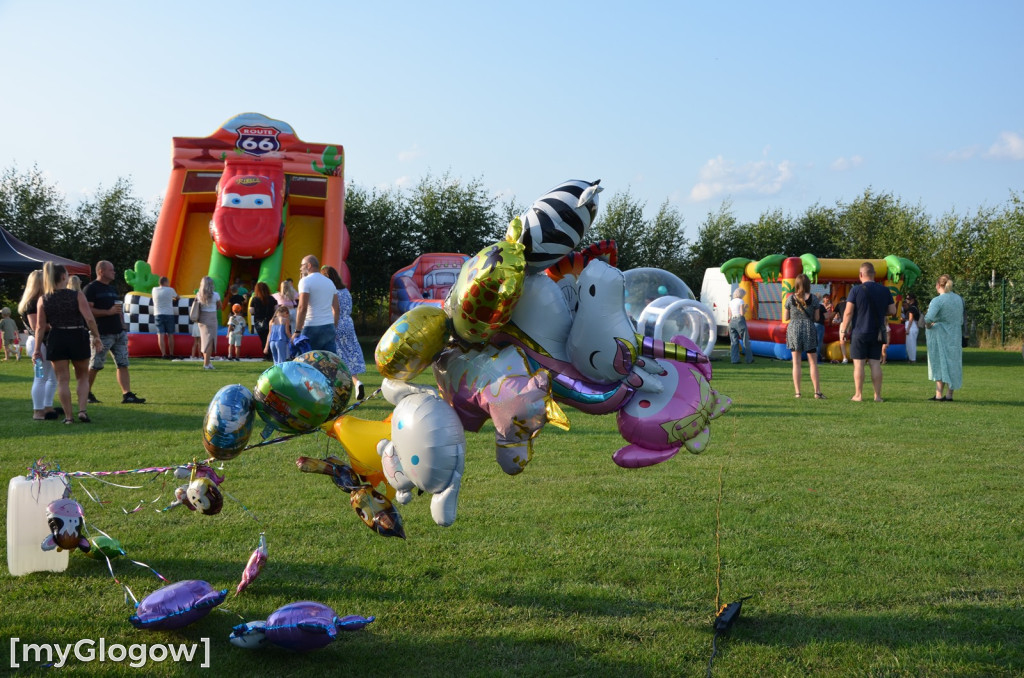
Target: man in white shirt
<point>317,313</point>
<point>164,298</point>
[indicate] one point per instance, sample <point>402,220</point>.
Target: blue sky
<point>773,106</point>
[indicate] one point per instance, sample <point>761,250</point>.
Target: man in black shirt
<point>107,308</point>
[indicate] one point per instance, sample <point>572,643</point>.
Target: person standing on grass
<point>800,311</point>
<point>349,350</point>
<point>10,332</point>
<point>944,326</point>
<point>209,303</point>
<point>913,327</point>
<point>317,314</point>
<point>164,298</point>
<point>277,338</point>
<point>867,308</point>
<point>64,317</point>
<point>44,387</point>
<point>262,306</point>
<point>738,333</point>
<point>107,308</point>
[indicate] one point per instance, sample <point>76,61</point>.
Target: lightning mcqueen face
<point>246,222</point>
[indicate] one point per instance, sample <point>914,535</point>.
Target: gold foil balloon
<point>412,342</point>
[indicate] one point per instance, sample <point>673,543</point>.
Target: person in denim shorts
<point>107,308</point>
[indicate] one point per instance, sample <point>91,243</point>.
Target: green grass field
<point>876,539</point>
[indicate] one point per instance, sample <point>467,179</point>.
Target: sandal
<point>797,395</point>
<point>68,422</point>
<point>819,396</point>
<point>84,418</point>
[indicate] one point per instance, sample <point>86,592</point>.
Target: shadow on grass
<point>975,634</point>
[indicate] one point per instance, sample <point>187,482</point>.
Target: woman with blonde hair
<point>288,297</point>
<point>75,283</point>
<point>944,326</point>
<point>800,310</point>
<point>44,387</point>
<point>209,303</point>
<point>68,315</point>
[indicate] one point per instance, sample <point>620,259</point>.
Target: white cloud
<point>1010,145</point>
<point>962,154</point>
<point>402,182</point>
<point>719,177</point>
<point>843,164</point>
<point>411,154</point>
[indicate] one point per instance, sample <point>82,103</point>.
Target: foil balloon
<point>334,370</point>
<point>657,426</point>
<point>105,547</point>
<point>499,384</point>
<point>293,397</point>
<point>543,315</point>
<point>377,512</point>
<point>602,341</point>
<point>427,449</point>
<point>412,342</point>
<point>486,293</point>
<point>203,495</point>
<point>558,221</point>
<point>176,605</point>
<point>359,437</point>
<point>342,474</point>
<point>252,568</point>
<point>228,422</point>
<point>250,635</point>
<point>66,520</point>
<point>301,626</point>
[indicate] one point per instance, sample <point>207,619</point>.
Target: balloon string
<point>244,508</point>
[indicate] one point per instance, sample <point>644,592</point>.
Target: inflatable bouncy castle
<point>247,202</point>
<point>769,281</point>
<point>426,280</point>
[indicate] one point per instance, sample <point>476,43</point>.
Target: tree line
<point>983,251</point>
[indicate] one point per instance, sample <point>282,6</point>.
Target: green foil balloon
<point>293,397</point>
<point>334,369</point>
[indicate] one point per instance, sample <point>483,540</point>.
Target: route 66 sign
<point>256,140</point>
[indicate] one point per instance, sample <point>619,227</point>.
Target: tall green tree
<point>447,215</point>
<point>113,225</point>
<point>380,244</point>
<point>621,218</point>
<point>718,240</point>
<point>33,209</point>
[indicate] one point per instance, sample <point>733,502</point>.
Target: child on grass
<point>236,328</point>
<point>280,331</point>
<point>10,332</point>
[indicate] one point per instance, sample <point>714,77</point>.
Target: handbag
<point>193,311</point>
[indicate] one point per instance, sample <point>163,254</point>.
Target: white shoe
<point>845,361</point>
<point>207,367</point>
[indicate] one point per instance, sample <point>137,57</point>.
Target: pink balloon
<point>657,424</point>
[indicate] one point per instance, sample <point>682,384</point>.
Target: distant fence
<point>995,309</point>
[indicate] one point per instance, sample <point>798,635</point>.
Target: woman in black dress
<point>70,321</point>
<point>261,309</point>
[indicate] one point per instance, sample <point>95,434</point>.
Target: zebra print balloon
<point>558,221</point>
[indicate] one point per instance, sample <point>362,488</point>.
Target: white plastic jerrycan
<point>27,499</point>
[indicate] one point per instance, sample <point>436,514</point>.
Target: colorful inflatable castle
<point>426,281</point>
<point>769,281</point>
<point>245,203</point>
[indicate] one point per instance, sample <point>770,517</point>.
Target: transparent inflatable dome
<point>644,285</point>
